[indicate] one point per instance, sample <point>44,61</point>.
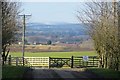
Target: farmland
<point>54,54</point>
<point>60,47</point>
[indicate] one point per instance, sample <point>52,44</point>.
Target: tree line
<point>103,23</point>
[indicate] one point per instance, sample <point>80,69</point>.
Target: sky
<point>64,0</point>
<point>52,12</point>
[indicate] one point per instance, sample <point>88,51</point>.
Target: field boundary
<point>50,62</point>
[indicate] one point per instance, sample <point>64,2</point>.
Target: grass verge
<point>11,72</point>
<point>105,73</point>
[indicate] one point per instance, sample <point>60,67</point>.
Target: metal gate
<point>60,62</point>
<point>92,61</point>
<point>38,61</point>
<point>29,61</point>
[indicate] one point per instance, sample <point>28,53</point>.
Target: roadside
<point>104,73</point>
<point>26,73</point>
<point>13,72</point>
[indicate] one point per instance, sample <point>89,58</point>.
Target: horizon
<point>52,23</point>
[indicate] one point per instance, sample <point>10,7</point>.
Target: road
<point>59,73</point>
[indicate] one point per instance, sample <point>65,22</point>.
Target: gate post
<point>9,60</point>
<point>16,61</point>
<point>93,60</point>
<point>49,63</point>
<point>72,62</point>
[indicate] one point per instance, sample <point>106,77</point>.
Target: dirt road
<point>58,73</point>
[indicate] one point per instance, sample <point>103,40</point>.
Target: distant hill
<point>63,33</point>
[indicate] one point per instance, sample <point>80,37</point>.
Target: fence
<point>78,61</point>
<point>49,62</point>
<point>28,61</point>
<point>17,61</point>
<point>38,61</point>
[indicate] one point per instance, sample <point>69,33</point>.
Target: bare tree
<point>9,25</point>
<point>102,23</point>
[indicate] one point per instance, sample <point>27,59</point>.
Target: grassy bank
<point>106,73</point>
<point>10,72</point>
<point>54,54</point>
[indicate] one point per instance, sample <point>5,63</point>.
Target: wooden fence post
<point>72,62</point>
<point>93,60</point>
<point>49,62</point>
<point>9,60</point>
<point>16,61</point>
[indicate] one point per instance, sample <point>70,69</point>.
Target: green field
<point>54,54</point>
